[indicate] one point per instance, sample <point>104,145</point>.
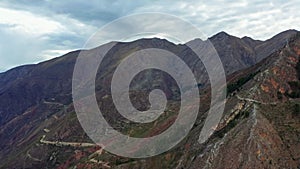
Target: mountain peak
<point>285,34</point>
<point>247,38</point>
<point>221,35</point>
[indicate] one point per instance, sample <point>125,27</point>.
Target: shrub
<point>239,83</point>
<point>296,111</point>
<point>279,95</point>
<point>298,68</point>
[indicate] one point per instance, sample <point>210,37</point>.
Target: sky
<point>32,31</point>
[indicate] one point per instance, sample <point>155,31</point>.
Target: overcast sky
<point>36,30</point>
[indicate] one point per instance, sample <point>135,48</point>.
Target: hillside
<point>260,127</point>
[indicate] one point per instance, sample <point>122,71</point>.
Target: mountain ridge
<point>42,98</point>
<point>289,32</point>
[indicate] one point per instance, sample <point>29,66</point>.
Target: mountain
<point>259,129</point>
<point>240,53</point>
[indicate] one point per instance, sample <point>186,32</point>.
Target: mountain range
<point>260,127</point>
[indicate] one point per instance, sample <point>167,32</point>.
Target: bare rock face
<point>260,127</point>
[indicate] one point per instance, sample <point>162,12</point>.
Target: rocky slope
<point>260,127</point>
<point>261,130</point>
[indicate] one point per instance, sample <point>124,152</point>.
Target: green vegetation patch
<point>240,82</point>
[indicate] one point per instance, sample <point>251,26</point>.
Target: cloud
<point>27,23</point>
<point>32,31</point>
<point>16,49</point>
<point>259,19</point>
<point>30,38</point>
